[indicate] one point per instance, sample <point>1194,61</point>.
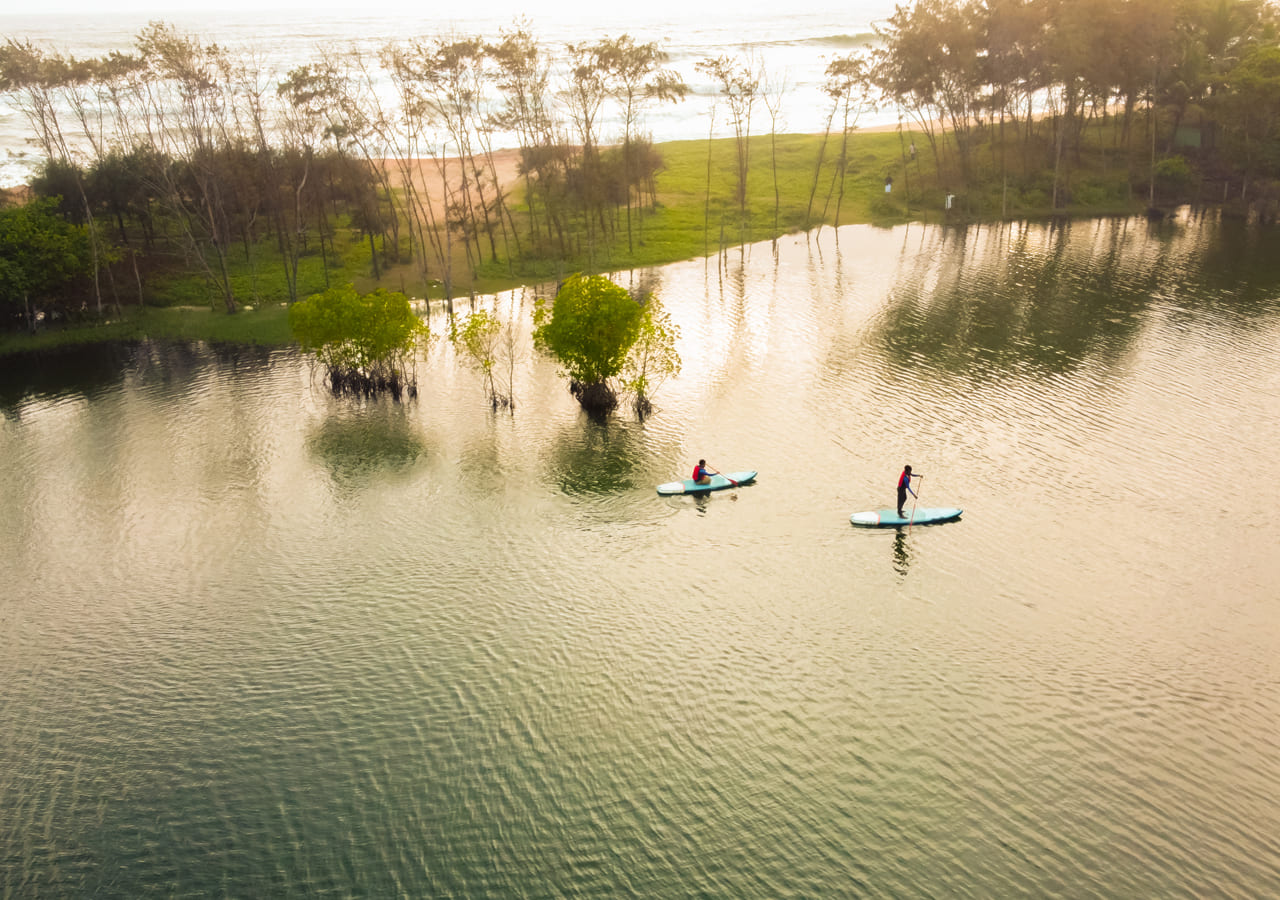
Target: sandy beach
<point>426,173</point>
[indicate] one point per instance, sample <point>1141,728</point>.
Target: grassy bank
<point>267,325</point>
<point>697,213</point>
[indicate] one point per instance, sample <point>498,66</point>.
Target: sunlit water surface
<point>258,641</point>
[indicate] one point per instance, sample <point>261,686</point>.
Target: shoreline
<point>676,230</point>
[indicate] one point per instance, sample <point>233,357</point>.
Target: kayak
<point>888,518</point>
<point>718,483</point>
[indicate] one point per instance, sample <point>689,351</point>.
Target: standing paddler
<point>904,487</point>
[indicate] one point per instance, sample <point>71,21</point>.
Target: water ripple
<point>261,642</point>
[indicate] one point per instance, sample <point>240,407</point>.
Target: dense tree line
<point>179,147</point>
<point>186,147</point>
<point>1028,78</point>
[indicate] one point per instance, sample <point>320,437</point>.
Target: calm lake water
<point>258,641</point>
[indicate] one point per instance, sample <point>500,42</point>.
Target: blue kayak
<point>888,518</point>
<point>718,483</point>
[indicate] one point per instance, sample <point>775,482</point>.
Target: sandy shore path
<point>425,174</point>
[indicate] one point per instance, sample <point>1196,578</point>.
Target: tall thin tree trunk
<point>706,213</point>
<point>773,162</point>
<point>817,169</point>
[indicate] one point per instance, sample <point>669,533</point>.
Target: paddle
<point>726,477</point>
<point>916,494</point>
<point>734,495</point>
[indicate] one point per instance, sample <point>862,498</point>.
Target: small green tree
<point>486,341</point>
<point>849,89</point>
<point>653,357</point>
<point>590,328</point>
<point>366,342</point>
<point>1173,176</point>
<point>39,254</point>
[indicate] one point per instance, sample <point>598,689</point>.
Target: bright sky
<point>489,8</point>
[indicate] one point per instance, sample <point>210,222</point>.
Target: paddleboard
<point>888,518</point>
<point>718,483</point>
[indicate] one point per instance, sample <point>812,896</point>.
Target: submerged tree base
<point>597,398</point>
<point>366,342</point>
<point>354,383</point>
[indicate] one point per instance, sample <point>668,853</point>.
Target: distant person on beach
<point>904,486</point>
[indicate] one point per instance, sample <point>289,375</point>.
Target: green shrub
<point>1174,175</point>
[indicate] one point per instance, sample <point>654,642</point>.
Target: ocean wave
<point>774,47</point>
<point>16,170</point>
<point>857,39</point>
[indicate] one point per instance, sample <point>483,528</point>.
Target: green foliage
<point>1034,198</point>
<point>653,357</point>
<point>57,181</point>
<point>590,328</point>
<point>373,335</point>
<point>1088,192</point>
<point>477,339</point>
<point>1173,175</point>
<point>39,254</point>
<point>480,340</point>
<point>1255,81</point>
<point>1249,107</point>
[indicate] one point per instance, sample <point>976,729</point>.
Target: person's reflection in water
<point>901,555</point>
